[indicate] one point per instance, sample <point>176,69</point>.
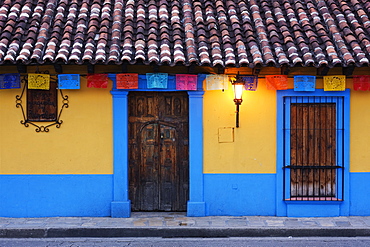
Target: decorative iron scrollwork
<point>26,121</point>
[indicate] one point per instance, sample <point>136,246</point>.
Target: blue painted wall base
<point>121,209</point>
<point>313,209</point>
<point>239,194</point>
<point>360,194</point>
<point>224,194</point>
<point>196,209</point>
<point>55,195</point>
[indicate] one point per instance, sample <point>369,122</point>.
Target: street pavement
<point>177,225</point>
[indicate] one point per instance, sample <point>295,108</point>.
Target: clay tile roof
<point>170,32</point>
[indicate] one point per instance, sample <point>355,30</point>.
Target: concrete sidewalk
<point>178,225</point>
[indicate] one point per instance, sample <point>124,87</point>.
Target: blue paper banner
<point>250,82</point>
<point>304,83</point>
<point>9,81</point>
<point>157,80</point>
<point>69,81</point>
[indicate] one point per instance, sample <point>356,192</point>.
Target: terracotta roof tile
<point>114,48</point>
<point>216,33</point>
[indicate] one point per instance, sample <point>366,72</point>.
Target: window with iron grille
<point>313,148</point>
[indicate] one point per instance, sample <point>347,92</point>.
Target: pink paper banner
<point>186,82</point>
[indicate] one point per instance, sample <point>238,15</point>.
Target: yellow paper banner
<point>38,81</point>
<point>335,83</point>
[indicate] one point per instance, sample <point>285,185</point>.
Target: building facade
<point>295,153</point>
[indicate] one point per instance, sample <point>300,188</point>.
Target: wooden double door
<point>158,151</point>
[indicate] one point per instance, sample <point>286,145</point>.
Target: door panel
<point>158,151</point>
<point>148,168</point>
<point>168,172</point>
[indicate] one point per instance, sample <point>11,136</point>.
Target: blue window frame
<point>286,165</point>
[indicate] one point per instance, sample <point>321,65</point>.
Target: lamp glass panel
<point>238,91</point>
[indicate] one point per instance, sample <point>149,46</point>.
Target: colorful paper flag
<point>217,82</point>
<point>361,82</point>
<point>335,83</point>
<point>39,81</point>
<point>157,80</point>
<point>250,82</point>
<point>127,81</point>
<point>186,82</point>
<point>11,80</point>
<point>69,81</point>
<point>304,83</point>
<point>277,82</point>
<point>97,80</point>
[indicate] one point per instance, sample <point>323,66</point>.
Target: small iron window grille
<point>41,105</point>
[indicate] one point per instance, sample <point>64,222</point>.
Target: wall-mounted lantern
<point>238,85</point>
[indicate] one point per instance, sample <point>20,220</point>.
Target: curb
<point>183,232</point>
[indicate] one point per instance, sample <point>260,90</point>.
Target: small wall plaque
<point>226,135</point>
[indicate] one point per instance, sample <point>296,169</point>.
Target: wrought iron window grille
<point>26,121</point>
<point>314,169</point>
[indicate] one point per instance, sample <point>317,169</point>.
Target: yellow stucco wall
<point>82,145</point>
<point>253,149</point>
<point>360,131</point>
<point>359,127</point>
<point>254,145</point>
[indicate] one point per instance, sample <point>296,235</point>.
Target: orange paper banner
<point>127,81</point>
<point>277,82</point>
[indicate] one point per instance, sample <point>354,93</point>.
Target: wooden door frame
<point>121,205</point>
<point>311,208</point>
